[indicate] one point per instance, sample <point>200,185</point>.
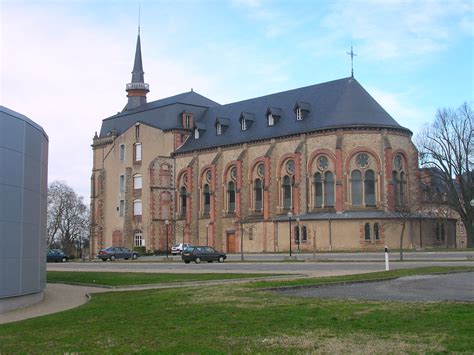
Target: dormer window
<point>271,120</point>
<point>243,124</point>
<point>246,120</point>
<point>299,114</point>
<point>187,120</point>
<point>196,133</point>
<point>301,110</point>
<point>218,129</point>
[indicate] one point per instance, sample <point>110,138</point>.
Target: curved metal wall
<point>23,205</point>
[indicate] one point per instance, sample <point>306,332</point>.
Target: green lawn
<point>136,278</point>
<point>241,319</point>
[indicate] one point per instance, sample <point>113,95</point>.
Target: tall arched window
<point>376,231</point>
<point>367,232</point>
<point>286,192</point>
<point>356,188</point>
<point>231,197</point>
<point>396,188</point>
<point>318,190</point>
<point>304,234</point>
<point>182,199</point>
<point>207,199</point>
<point>258,195</point>
<point>369,188</point>
<point>328,189</point>
<point>402,188</point>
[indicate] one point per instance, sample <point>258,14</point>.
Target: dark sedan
<point>113,253</point>
<point>202,253</point>
<point>56,255</point>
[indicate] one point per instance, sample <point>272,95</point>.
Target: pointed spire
<point>137,89</point>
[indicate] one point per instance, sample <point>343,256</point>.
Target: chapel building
<point>322,167</point>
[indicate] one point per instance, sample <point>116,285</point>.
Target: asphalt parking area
<point>419,288</point>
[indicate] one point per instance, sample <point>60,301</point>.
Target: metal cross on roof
<point>352,54</point>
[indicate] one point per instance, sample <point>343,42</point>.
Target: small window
<point>138,152</point>
<point>137,182</point>
<point>367,232</point>
<point>219,129</point>
<point>299,114</point>
<point>122,152</point>
<point>376,231</point>
<point>187,120</point>
<point>137,207</point>
<point>121,208</point>
<point>243,124</point>
<point>271,120</point>
<point>137,131</point>
<point>138,239</point>
<point>122,183</point>
<point>196,133</point>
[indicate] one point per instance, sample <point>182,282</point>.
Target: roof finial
<point>139,17</point>
<point>352,54</point>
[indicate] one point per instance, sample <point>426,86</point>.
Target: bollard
<point>386,259</point>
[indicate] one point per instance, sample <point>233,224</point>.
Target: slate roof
<point>163,114</point>
<point>341,103</point>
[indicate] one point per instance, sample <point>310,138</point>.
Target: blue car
<point>112,253</point>
<point>56,255</point>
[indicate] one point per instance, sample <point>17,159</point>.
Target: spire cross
<point>352,54</point>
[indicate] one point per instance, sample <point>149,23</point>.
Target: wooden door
<point>231,242</point>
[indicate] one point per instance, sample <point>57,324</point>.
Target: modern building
<point>321,167</point>
<point>23,204</point>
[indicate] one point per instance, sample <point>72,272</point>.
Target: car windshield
<point>188,249</point>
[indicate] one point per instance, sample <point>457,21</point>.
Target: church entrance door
<point>231,244</point>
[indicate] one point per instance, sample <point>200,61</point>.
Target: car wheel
<point>186,261</point>
<point>221,259</point>
<point>112,257</point>
<point>197,261</point>
<point>104,259</point>
<point>63,260</point>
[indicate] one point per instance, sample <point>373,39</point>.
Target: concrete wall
<point>23,205</point>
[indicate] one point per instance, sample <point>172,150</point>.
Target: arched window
<point>137,207</point>
<point>231,197</point>
<point>395,183</point>
<point>258,195</point>
<point>401,188</point>
<point>328,189</point>
<point>304,234</point>
<point>286,192</point>
<point>367,232</point>
<point>207,199</point>
<point>356,188</point>
<point>318,190</point>
<point>376,231</point>
<point>369,188</point>
<point>182,199</point>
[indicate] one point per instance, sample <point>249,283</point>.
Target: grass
<point>241,319</point>
<point>136,278</point>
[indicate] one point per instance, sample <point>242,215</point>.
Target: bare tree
<point>68,218</point>
<point>447,144</point>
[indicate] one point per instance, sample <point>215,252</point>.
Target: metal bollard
<point>387,267</point>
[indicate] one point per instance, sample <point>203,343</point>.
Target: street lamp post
<point>299,232</point>
<point>166,224</point>
<point>290,214</point>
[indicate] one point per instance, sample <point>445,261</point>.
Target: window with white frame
<point>138,239</point>
<point>122,183</point>
<point>138,151</point>
<point>187,120</point>
<point>137,207</point>
<point>219,129</point>
<point>243,124</point>
<point>137,181</point>
<point>299,114</point>
<point>122,152</point>
<point>271,120</point>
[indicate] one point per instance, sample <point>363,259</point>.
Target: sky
<point>64,64</point>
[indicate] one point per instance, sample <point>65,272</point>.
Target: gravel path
<point>420,288</point>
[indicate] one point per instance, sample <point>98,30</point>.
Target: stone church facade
<point>326,160</point>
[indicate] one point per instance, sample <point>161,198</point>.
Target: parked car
<point>202,253</point>
<point>178,248</point>
<point>56,255</point>
<point>112,253</point>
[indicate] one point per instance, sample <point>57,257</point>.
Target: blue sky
<point>65,64</point>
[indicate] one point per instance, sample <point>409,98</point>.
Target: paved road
<point>420,288</point>
<point>304,268</point>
